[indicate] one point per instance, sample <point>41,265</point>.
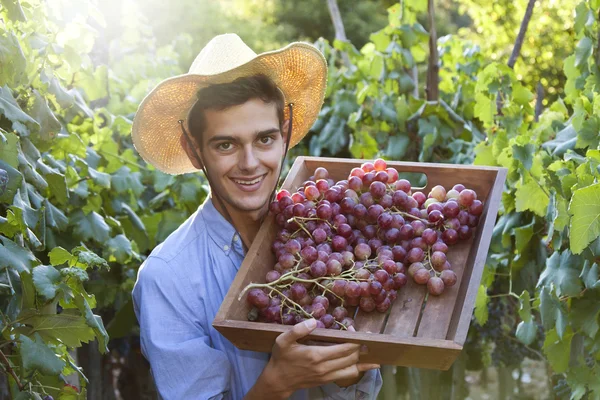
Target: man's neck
<point>245,223</point>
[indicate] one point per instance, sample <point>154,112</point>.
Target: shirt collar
<point>219,229</point>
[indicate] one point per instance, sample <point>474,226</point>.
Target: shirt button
<point>225,247</point>
<point>235,238</point>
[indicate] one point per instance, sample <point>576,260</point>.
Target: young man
<point>228,117</point>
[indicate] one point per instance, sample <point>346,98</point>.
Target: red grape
<point>404,185</point>
<point>435,286</point>
<point>476,207</point>
<point>321,173</point>
<point>466,197</point>
<point>367,304</point>
<point>419,198</point>
<point>448,277</point>
<point>258,298</point>
<point>392,174</point>
<point>380,165</point>
<point>422,276</point>
<point>368,167</point>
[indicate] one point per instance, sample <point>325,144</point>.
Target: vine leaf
<point>585,221</point>
<point>562,271</point>
<point>11,110</point>
<point>69,327</point>
<point>37,355</point>
<point>557,350</point>
<point>529,196</point>
<point>46,279</point>
<point>481,302</point>
<point>91,226</point>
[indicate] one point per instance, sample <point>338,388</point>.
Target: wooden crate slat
<point>439,309</point>
<point>406,310</point>
<point>369,322</point>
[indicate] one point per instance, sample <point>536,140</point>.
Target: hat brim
<point>299,70</point>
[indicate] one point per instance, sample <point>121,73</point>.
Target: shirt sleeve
<point>183,363</point>
<point>366,389</point>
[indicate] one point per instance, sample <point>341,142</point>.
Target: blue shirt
<point>179,289</point>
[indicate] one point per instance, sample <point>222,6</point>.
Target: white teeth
<point>248,182</point>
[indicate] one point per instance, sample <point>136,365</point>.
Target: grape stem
<point>405,214</point>
<point>317,283</point>
<point>256,285</point>
<point>296,305</point>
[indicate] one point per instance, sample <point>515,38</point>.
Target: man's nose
<point>248,160</point>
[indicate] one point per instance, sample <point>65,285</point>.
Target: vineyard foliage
<point>80,210</point>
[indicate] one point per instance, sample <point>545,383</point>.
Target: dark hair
<point>221,96</point>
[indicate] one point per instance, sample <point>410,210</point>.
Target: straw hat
<point>299,70</point>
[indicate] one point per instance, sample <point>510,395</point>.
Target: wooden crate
<point>418,331</point>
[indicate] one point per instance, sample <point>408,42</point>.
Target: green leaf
<point>47,126</point>
<point>481,308</point>
<point>12,60</point>
<point>585,221</point>
<point>521,95</point>
<point>551,312</point>
<point>124,180</point>
<point>558,351</point>
<point>14,10</point>
<point>59,256</point>
<point>524,154</point>
<point>8,149</point>
<point>562,271</point>
<point>76,273</point>
<point>27,291</point>
<point>523,235</point>
<point>485,108</point>
<point>46,279</point>
<point>89,258</point>
<point>95,322</point>
<point>15,256</point>
<point>118,249</point>
<point>583,51</point>
<point>57,184</point>
<point>526,332</point>
<point>589,133</point>
<point>11,110</point>
<point>584,315</point>
<point>11,182</point>
<point>36,355</point>
<point>590,275</point>
<point>530,196</point>
<point>90,226</point>
<point>525,306</point>
<point>68,327</point>
<point>363,145</point>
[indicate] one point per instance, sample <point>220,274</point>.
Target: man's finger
<point>336,351</point>
<point>339,363</point>
<point>350,372</point>
<point>299,331</point>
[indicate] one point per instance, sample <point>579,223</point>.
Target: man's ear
<point>284,131</point>
<point>190,152</point>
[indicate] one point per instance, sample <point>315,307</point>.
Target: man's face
<point>242,152</point>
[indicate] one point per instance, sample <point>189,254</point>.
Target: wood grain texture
<point>442,326</point>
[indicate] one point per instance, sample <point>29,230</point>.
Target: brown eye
<point>224,146</point>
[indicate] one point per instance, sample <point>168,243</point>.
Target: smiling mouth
<point>248,182</point>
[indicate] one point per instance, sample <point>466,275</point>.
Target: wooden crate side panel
<point>459,327</point>
<point>382,349</point>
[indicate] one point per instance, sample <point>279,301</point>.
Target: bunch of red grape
<point>353,243</point>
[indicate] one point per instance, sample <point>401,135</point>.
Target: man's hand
<point>296,366</point>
